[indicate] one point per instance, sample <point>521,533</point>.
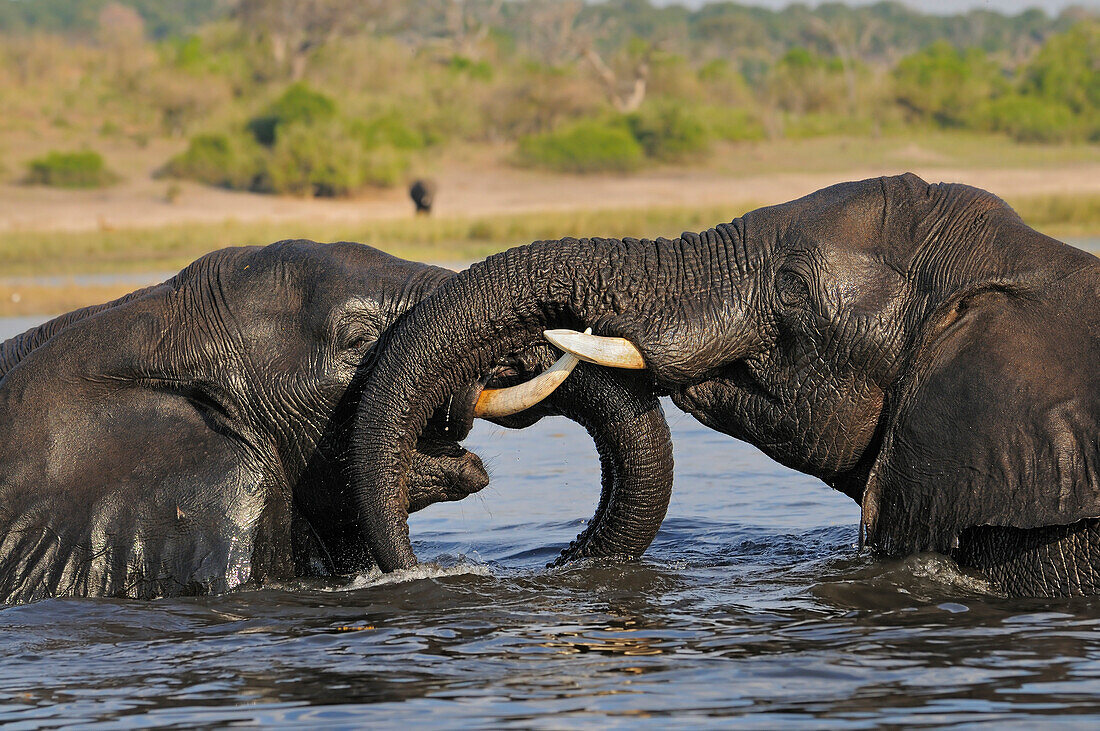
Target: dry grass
<point>452,240</point>
<point>24,298</point>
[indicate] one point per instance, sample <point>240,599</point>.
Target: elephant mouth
<point>443,471</point>
<point>516,372</point>
<point>727,400</point>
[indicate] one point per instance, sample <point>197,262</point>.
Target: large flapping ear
<point>997,421</point>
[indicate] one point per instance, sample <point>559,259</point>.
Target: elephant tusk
<point>613,352</point>
<point>497,402</point>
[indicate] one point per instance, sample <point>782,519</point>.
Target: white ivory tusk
<point>496,402</point>
<point>613,352</point>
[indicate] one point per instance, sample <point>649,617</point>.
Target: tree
<point>849,43</point>
<point>294,29</point>
<point>1067,69</point>
<point>946,85</point>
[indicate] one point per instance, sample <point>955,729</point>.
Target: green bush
<point>83,169</point>
<point>802,81</point>
<point>732,125</point>
<point>669,133</point>
<point>298,104</point>
<point>325,161</point>
<point>1066,69</point>
<point>310,156</point>
<point>480,70</point>
<point>391,130</point>
<point>217,159</point>
<point>942,84</point>
<point>1029,119</point>
<point>584,147</point>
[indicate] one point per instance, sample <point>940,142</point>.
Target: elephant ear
<point>997,422</point>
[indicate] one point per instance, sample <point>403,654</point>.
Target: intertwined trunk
<point>654,293</point>
<point>621,413</point>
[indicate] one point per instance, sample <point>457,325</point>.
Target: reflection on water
<point>752,608</point>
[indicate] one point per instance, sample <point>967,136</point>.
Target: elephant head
<point>915,346</point>
<point>195,434</point>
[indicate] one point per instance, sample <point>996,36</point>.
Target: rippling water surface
<point>752,608</point>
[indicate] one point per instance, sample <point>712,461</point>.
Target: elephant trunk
<point>621,413</point>
<point>649,292</point>
<point>627,424</point>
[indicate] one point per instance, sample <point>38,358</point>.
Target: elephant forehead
<point>878,216</point>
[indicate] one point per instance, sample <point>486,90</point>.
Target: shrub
<point>731,124</point>
<point>584,147</point>
<point>391,130</point>
<point>1066,70</point>
<point>942,84</point>
<point>326,161</point>
<point>308,158</point>
<point>83,169</point>
<point>668,133</point>
<point>298,104</point>
<point>217,159</point>
<point>480,70</point>
<point>802,81</point>
<point>1029,119</point>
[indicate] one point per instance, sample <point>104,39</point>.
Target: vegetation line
<point>446,240</point>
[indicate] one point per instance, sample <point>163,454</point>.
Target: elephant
<point>193,437</point>
<point>422,193</point>
<point>915,346</point>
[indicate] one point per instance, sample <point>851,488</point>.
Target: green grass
<point>1061,215</point>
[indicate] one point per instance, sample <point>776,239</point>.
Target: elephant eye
<point>792,290</point>
<point>357,342</point>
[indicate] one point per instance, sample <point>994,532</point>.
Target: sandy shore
<point>482,190</point>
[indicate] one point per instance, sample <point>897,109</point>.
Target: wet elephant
<point>915,346</point>
<point>193,436</point>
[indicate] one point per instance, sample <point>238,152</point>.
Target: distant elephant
<point>194,435</point>
<point>422,193</point>
<point>915,346</point>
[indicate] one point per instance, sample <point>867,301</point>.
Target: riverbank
<point>51,240</point>
<point>48,272</point>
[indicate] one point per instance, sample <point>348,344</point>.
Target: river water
<point>752,609</point>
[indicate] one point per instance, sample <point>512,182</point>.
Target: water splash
<point>375,577</point>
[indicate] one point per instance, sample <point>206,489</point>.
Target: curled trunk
<point>450,339</point>
<point>621,413</point>
<point>502,305</point>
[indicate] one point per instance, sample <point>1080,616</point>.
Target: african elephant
<point>193,436</point>
<point>422,193</point>
<point>917,347</point>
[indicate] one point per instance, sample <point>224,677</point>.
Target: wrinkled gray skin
<point>915,346</point>
<point>193,436</point>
